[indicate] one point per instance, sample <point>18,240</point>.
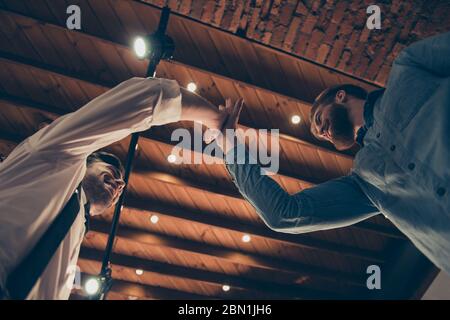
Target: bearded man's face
<point>332,123</point>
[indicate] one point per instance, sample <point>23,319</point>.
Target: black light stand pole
<point>162,47</point>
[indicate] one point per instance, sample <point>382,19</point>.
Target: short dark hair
<point>107,157</point>
<point>327,96</point>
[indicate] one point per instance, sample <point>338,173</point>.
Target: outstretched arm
<point>198,109</point>
<point>333,204</point>
<point>132,106</point>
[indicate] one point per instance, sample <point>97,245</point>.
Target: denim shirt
<point>402,170</point>
<point>371,99</point>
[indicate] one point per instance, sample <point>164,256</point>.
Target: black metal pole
<point>154,59</point>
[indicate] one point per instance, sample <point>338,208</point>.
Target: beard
<point>342,133</point>
<point>96,191</point>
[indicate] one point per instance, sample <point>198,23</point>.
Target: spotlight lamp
<point>192,87</point>
<point>296,119</point>
<point>92,286</point>
<point>171,158</point>
<point>141,47</point>
<point>96,286</point>
<point>246,238</point>
<point>154,219</point>
<point>139,272</point>
<point>154,45</point>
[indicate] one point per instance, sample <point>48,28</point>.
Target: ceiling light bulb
<point>92,286</point>
<point>140,47</point>
<point>139,272</point>
<point>154,219</point>
<point>296,119</point>
<point>246,238</point>
<point>172,158</point>
<point>192,87</point>
<point>226,288</point>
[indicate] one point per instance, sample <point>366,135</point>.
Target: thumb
<point>238,106</point>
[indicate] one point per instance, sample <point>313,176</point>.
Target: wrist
<point>227,142</point>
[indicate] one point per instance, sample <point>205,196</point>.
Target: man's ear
<point>341,96</point>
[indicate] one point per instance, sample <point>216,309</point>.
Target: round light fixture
<point>246,238</point>
<point>296,119</point>
<point>154,219</point>
<point>92,286</point>
<point>226,288</point>
<point>172,158</point>
<point>140,47</point>
<point>139,272</point>
<point>192,87</point>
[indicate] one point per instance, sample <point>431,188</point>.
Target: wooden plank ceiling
<point>196,246</point>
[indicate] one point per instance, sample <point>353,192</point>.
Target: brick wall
<point>331,32</point>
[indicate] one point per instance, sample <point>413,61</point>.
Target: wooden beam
<point>27,103</point>
<point>343,250</point>
<point>150,207</point>
<point>266,289</point>
<point>11,138</point>
<point>214,252</point>
<point>181,182</point>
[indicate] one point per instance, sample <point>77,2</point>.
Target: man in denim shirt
<point>402,169</point>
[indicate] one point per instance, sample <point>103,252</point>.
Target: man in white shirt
<point>41,174</point>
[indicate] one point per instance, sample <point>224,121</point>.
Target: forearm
<point>196,108</point>
<point>279,210</point>
<point>333,204</point>
<point>132,106</point>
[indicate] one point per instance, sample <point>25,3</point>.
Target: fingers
<point>228,104</point>
<point>239,106</point>
<point>230,107</point>
<point>233,112</point>
<point>236,112</point>
<point>211,135</point>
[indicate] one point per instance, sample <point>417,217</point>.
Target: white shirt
<point>41,174</point>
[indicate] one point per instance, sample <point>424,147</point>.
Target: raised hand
<point>233,112</point>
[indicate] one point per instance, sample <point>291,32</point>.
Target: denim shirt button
<point>411,166</point>
<point>440,191</point>
<point>392,147</point>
